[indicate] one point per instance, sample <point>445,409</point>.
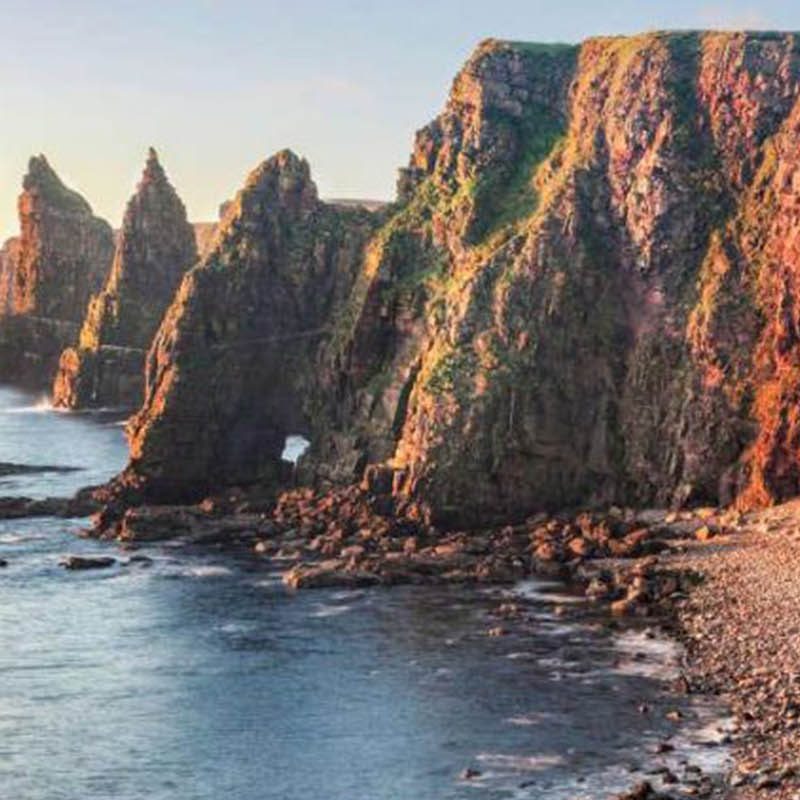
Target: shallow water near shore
<point>199,676</point>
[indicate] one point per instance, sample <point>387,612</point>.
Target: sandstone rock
<point>64,250</point>
<point>9,256</point>
<point>326,574</point>
<point>47,275</point>
<point>705,533</point>
<point>81,505</point>
<point>155,247</point>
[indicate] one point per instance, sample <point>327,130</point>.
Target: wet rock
<point>327,574</point>
<point>140,561</point>
<point>705,533</point>
<point>82,504</point>
<point>7,468</point>
<point>87,562</point>
<point>642,791</point>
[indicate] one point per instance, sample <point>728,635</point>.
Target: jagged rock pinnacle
<point>156,245</point>
<point>153,171</point>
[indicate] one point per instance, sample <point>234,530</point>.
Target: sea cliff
<point>583,295</point>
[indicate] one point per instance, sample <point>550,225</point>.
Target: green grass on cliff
<point>540,48</point>
<point>509,197</point>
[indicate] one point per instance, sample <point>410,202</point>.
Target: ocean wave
<point>534,718</point>
<point>324,610</point>
<point>41,406</point>
<point>646,655</point>
<point>206,571</point>
<point>535,763</point>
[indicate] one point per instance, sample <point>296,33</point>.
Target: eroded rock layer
<point>587,293</point>
<point>47,275</point>
<point>155,247</point>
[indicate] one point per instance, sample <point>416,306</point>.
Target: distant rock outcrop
<point>64,250</point>
<point>47,275</point>
<point>155,247</point>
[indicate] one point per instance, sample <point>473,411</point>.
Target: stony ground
<point>742,631</point>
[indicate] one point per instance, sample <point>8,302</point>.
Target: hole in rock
<point>294,446</point>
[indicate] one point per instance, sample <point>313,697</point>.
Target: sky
<point>218,85</point>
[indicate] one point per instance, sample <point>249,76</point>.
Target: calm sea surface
<point>201,678</point>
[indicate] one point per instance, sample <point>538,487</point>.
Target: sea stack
<point>61,256</point>
<point>237,353</point>
<point>155,248</point>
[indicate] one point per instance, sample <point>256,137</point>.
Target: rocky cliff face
<point>231,368</point>
<point>155,247</point>
<point>586,294</point>
<point>47,274</point>
<point>64,250</point>
<point>9,256</point>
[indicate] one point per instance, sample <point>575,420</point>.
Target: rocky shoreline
<point>626,565</point>
<point>742,637</point>
<point>681,571</point>
<point>717,581</point>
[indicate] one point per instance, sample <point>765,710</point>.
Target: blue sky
<point>218,85</point>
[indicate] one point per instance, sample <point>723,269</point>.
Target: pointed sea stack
<point>47,275</point>
<point>64,250</point>
<point>237,350</point>
<point>155,248</point>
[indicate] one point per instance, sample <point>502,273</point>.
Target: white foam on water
<point>534,763</point>
<point>294,447</point>
<point>41,406</point>
<point>236,627</point>
<point>444,672</point>
<point>20,538</point>
<point>556,662</point>
<point>324,610</point>
<point>348,594</point>
<point>705,742</point>
<point>647,655</point>
<point>541,590</point>
<point>534,718</point>
<point>206,571</point>
<point>268,583</point>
